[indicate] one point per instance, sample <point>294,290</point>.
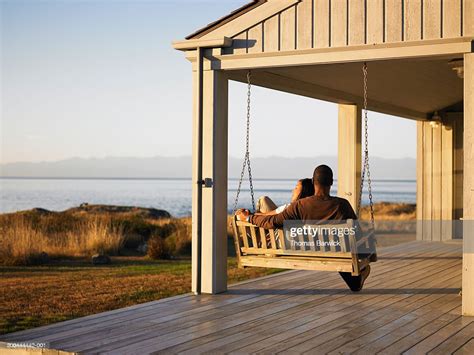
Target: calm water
<point>173,195</point>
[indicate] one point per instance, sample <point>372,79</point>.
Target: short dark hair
<point>323,176</point>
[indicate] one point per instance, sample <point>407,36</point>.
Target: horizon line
<point>185,156</point>
<point>163,178</point>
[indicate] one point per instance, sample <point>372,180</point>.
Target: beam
<point>202,43</point>
<point>468,230</point>
<point>349,153</point>
<point>347,54</point>
<point>298,87</point>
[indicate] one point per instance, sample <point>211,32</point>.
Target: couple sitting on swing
<point>311,200</point>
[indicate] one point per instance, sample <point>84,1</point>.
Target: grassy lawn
<point>38,295</point>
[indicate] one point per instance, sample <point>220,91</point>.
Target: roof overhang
<point>222,21</point>
<point>191,44</point>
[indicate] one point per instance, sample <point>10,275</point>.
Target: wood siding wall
<point>439,178</point>
<point>336,23</point>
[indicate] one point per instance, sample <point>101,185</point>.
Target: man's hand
<point>242,214</point>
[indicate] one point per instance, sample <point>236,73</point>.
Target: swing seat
<point>260,247</point>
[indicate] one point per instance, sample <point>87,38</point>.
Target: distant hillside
<point>174,167</point>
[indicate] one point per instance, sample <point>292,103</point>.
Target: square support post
<point>209,205</point>
<point>468,230</point>
<point>349,152</point>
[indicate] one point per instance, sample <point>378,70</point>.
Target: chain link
<point>366,165</point>
<point>246,163</point>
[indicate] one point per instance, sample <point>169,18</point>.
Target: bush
<point>180,239</point>
<point>157,248</point>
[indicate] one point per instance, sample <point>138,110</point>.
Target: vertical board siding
<point>419,178</point>
<point>436,169</point>
<point>321,23</point>
<point>447,179</point>
<point>412,20</point>
<point>255,42</point>
<point>338,23</point>
<point>436,182</point>
<point>271,34</point>
<point>240,43</point>
<point>304,22</point>
<point>288,29</point>
<point>393,20</point>
<point>427,172</point>
<point>451,18</point>
<point>431,19</point>
<point>356,22</point>
<point>375,21</point>
<point>468,17</point>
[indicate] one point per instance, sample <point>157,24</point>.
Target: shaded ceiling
<point>406,88</point>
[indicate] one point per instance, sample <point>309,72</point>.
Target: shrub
<point>157,248</point>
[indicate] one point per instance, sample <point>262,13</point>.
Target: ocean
<point>172,195</point>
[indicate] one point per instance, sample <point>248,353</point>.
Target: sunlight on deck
<point>410,303</point>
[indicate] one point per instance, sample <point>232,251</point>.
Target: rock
<point>144,212</point>
<point>142,248</point>
<point>99,259</point>
<point>41,211</point>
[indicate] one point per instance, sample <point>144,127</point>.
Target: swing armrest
<point>244,223</point>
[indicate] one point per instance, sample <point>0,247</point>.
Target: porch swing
<point>347,254</point>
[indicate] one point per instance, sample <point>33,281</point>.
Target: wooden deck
<point>410,304</point>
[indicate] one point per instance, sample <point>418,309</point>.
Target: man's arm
<point>276,220</point>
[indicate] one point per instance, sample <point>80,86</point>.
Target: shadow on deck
<point>410,303</point>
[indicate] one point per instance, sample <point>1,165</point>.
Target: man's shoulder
<point>341,200</point>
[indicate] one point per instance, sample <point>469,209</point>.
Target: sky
<point>100,78</point>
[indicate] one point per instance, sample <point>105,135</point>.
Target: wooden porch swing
<point>327,251</point>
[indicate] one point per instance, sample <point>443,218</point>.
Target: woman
<point>304,188</point>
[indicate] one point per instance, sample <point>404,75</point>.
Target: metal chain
<point>246,163</point>
<point>366,165</point>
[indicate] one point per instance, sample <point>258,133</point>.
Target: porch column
<point>211,164</point>
<point>468,230</point>
<point>349,153</point>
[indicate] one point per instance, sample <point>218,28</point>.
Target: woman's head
<point>304,188</point>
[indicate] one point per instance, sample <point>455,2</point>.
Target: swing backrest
<point>251,241</point>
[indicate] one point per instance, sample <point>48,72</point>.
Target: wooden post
<point>468,230</point>
<point>209,207</point>
<point>349,153</point>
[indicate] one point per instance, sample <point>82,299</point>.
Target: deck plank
<point>410,303</point>
<point>170,328</point>
<point>206,327</point>
<point>178,315</point>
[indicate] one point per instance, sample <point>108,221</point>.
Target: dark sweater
<point>309,208</point>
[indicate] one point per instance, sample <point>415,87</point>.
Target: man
<point>319,207</point>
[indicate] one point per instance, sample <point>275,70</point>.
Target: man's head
<point>322,177</point>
